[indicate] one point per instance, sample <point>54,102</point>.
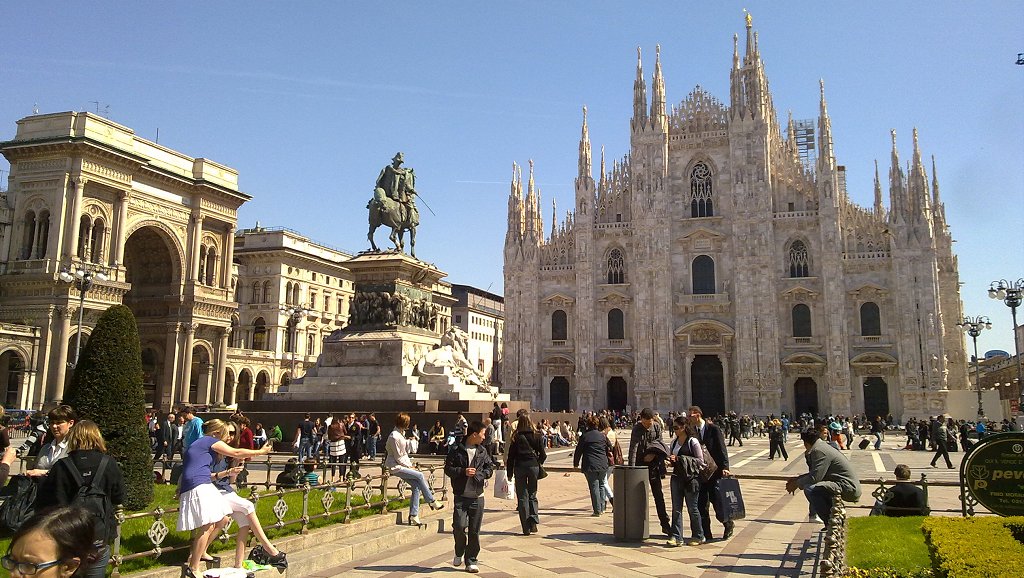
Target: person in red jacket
<point>244,439</point>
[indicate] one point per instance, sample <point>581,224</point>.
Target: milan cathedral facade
<point>714,265</point>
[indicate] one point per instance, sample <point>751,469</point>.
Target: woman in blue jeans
<point>525,456</point>
<point>400,464</point>
<point>593,451</point>
<point>687,457</point>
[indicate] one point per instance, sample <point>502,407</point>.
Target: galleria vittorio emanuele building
<point>722,263</point>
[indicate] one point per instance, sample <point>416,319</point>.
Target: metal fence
<point>340,500</point>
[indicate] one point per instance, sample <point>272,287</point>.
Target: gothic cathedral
<point>716,265</point>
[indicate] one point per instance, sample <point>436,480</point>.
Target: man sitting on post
<point>829,474</point>
<point>905,497</point>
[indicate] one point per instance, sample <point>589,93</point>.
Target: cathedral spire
<point>936,201</point>
<point>750,37</point>
<point>878,192</point>
<point>658,121</point>
<point>530,206</point>
<point>897,199</point>
<point>602,165</point>
<point>639,95</point>
<point>514,235</point>
<point>554,217</point>
<point>735,51</point>
<point>826,154</point>
<point>918,186</point>
<point>585,165</point>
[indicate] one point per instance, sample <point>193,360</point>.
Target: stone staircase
<point>375,382</point>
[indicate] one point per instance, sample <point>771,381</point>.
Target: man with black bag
<point>645,433</point>
<point>712,437</point>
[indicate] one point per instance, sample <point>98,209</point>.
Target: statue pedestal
<point>397,316</point>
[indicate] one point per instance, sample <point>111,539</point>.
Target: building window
<point>801,320</point>
<point>701,194</point>
<point>616,267</point>
<point>310,344</point>
<point>211,267</point>
<point>616,325</point>
<point>255,293</point>
<point>703,273</point>
<point>559,326</point>
<point>259,334</point>
<point>870,320</point>
<point>312,299</point>
<point>799,264</point>
<point>267,295</point>
<point>202,264</point>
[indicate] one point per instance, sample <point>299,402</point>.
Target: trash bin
<point>632,487</point>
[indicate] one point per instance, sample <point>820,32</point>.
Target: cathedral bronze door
<point>617,393</point>
<point>707,384</point>
<point>805,396</point>
<point>558,394</point>
<point>876,397</point>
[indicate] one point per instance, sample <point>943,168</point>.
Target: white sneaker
<point>414,520</point>
<point>472,568</point>
<point>457,561</point>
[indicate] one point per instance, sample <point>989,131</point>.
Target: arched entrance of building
<point>805,396</point>
<point>229,387</point>
<point>153,269</point>
<point>150,375</point>
<point>261,385</point>
<point>244,389</point>
<point>876,397</point>
<point>618,393</point>
<point>12,374</point>
<point>558,393</point>
<point>707,381</point>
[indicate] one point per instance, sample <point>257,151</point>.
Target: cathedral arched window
<point>801,320</point>
<point>870,319</point>
<point>701,193</point>
<point>616,324</point>
<point>559,326</point>
<point>259,335</point>
<point>96,240</point>
<point>211,266</point>
<point>703,273</point>
<point>799,262</point>
<point>616,267</point>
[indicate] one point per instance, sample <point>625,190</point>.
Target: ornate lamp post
<point>83,279</point>
<point>973,326</point>
<point>295,314</point>
<point>1011,295</point>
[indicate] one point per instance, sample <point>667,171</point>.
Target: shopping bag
<point>729,500</point>
<point>503,490</point>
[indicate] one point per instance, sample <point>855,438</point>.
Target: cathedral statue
<point>394,205</point>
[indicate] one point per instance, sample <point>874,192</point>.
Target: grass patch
<point>134,536</point>
<point>896,544</point>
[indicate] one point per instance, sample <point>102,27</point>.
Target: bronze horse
<point>389,212</point>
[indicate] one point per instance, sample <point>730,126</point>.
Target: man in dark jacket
<point>644,432</point>
<point>711,436</point>
<point>828,474</point>
<point>468,465</point>
<point>165,437</point>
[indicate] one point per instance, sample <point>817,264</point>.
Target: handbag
<point>541,472</point>
<point>710,466</point>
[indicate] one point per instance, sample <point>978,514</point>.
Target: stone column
<point>220,367</point>
<point>60,357</point>
<point>729,385</point>
<point>195,235</point>
<point>122,228</point>
<point>75,217</point>
<point>171,357</point>
<point>186,366</point>
<point>227,256</point>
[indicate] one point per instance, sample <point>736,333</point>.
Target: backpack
<point>93,498</point>
<point>20,503</point>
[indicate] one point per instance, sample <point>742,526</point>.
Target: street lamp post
<point>83,278</point>
<point>973,326</point>
<point>1011,295</point>
<point>295,314</point>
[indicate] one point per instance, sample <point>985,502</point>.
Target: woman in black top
<point>525,456</point>
<point>86,452</point>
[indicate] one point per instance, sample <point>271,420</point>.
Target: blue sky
<point>308,100</point>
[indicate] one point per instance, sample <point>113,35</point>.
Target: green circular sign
<point>994,473</point>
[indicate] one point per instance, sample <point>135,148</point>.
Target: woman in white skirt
<point>201,505</point>
<point>400,464</point>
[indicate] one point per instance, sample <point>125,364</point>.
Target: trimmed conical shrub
<point>107,388</point>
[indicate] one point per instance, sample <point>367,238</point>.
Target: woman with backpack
<point>687,458</point>
<point>87,477</point>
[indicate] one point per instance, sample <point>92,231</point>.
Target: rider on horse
<point>398,184</point>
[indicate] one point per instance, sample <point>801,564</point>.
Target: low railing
<point>832,558</point>
<point>375,491</point>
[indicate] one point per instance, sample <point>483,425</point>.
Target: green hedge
<point>975,547</point>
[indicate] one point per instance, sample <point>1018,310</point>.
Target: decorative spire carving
<point>639,95</point>
<point>826,154</point>
<point>658,119</point>
<point>878,192</point>
<point>585,166</point>
<point>897,200</point>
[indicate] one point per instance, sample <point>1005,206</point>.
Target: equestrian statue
<point>394,205</point>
